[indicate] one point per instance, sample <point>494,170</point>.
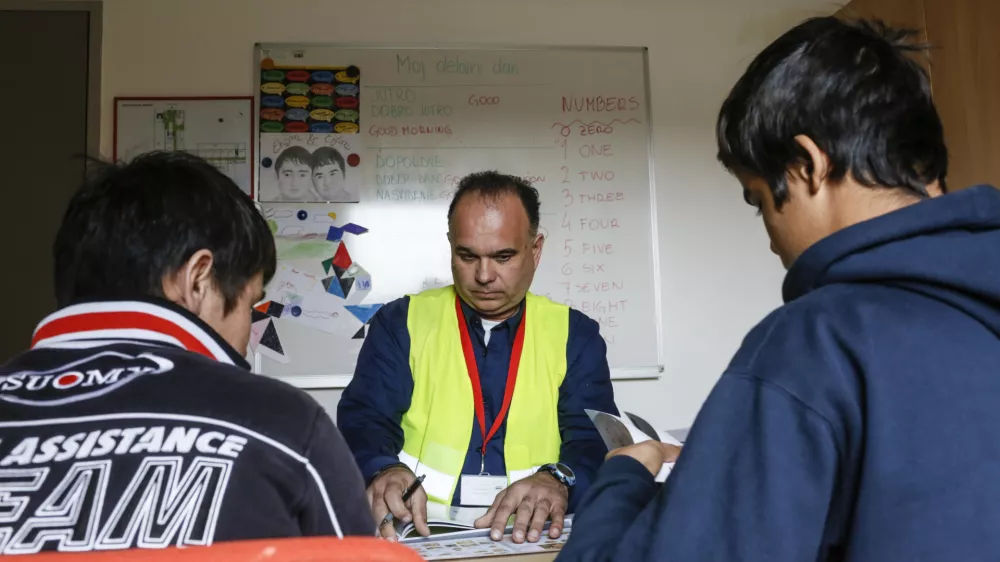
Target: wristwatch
<point>561,473</point>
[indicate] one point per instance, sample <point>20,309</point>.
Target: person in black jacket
<point>133,419</point>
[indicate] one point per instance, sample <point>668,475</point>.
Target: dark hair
<point>326,155</point>
<point>131,224</point>
<point>292,154</point>
<point>491,185</point>
<point>855,90</point>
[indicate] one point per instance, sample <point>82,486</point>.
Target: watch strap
<point>385,468</point>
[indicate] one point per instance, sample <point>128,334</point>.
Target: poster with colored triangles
<point>341,258</point>
<point>361,284</point>
<point>335,234</point>
<point>264,340</point>
<point>333,287</point>
<point>345,285</point>
<point>256,332</point>
<point>354,229</point>
<point>270,345</point>
<point>318,285</point>
<point>270,308</point>
<point>363,312</point>
<point>256,316</point>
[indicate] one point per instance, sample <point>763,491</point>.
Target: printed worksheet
<point>480,546</point>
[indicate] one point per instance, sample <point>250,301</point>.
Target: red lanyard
<point>477,391</point>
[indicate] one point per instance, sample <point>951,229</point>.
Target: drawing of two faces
<point>319,176</point>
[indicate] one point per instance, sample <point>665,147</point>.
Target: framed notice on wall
<point>218,129</point>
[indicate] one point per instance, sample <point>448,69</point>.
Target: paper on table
<point>476,543</point>
<point>443,520</point>
<point>481,546</point>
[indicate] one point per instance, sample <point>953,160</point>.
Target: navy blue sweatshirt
<point>860,421</point>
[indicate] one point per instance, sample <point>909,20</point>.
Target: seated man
<point>133,420</point>
<point>859,421</point>
<point>481,385</point>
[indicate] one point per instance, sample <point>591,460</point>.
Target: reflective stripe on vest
<point>438,426</point>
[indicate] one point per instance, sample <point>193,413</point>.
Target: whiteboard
<point>218,129</point>
<point>407,124</point>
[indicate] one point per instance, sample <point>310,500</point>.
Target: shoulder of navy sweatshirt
<point>373,404</point>
<point>859,421</point>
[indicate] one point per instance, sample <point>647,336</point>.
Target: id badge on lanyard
<point>480,490</point>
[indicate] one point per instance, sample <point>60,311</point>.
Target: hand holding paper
<point>622,434</point>
<point>655,456</point>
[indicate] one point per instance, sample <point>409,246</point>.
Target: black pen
<point>406,497</point>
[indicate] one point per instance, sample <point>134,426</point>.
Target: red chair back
<point>316,549</point>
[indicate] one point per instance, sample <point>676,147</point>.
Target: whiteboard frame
<point>251,101</point>
<point>340,381</point>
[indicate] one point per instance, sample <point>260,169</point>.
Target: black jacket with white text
<point>133,424</point>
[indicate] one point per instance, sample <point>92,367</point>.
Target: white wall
<point>719,277</point>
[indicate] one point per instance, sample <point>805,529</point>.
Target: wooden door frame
<point>95,9</point>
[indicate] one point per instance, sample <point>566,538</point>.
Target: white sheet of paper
<point>665,470</point>
<point>481,490</point>
<point>458,514</point>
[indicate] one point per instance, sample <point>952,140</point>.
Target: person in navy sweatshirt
<point>861,420</point>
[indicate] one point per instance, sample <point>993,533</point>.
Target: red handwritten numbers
<point>594,150</point>
<point>605,175</point>
<point>592,197</point>
<point>599,104</point>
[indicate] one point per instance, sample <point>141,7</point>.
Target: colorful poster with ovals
<point>297,75</point>
<point>297,88</point>
<point>321,114</point>
<point>274,88</point>
<point>322,89</point>
<point>272,114</point>
<point>272,101</point>
<point>347,89</point>
<point>346,115</point>
<point>347,102</point>
<point>325,102</point>
<point>309,99</point>
<point>342,76</point>
<point>322,76</point>
<point>297,114</point>
<point>273,75</point>
<point>297,101</point>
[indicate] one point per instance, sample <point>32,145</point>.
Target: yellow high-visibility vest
<point>437,427</point>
